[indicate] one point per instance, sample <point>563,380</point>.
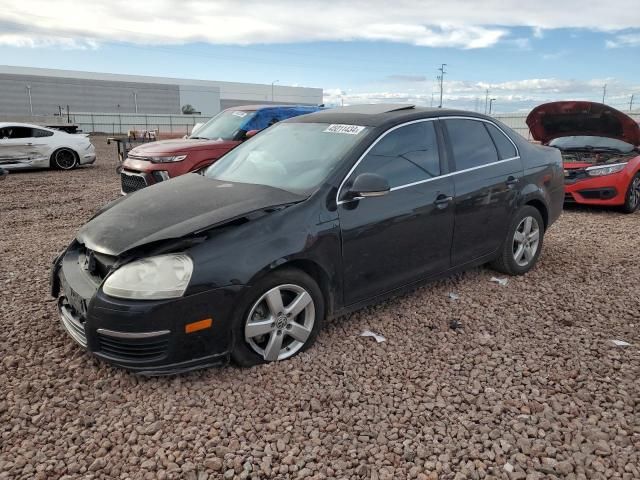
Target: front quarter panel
<point>239,255</point>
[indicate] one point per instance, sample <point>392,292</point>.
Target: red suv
<point>154,162</point>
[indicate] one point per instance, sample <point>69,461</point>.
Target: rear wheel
<point>281,317</point>
<point>64,159</point>
<point>523,243</point>
<point>632,198</point>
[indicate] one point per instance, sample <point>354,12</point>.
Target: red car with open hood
<point>600,148</point>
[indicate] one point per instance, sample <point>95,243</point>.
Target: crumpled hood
<point>575,118</point>
<point>173,209</point>
<point>181,145</point>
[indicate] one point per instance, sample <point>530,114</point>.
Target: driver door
<point>405,235</point>
<point>16,144</point>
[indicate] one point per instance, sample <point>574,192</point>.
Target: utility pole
<point>491,104</point>
<point>604,92</point>
<point>30,102</point>
<point>631,103</point>
<point>272,84</point>
<point>486,101</point>
<point>441,77</point>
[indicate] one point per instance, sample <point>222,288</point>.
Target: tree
<point>188,109</point>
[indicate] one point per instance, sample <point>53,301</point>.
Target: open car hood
<point>576,118</point>
<point>174,209</point>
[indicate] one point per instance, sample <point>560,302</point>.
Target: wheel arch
<point>311,268</point>
<point>542,208</point>
<point>63,147</point>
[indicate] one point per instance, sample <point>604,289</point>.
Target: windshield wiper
<point>589,148</point>
<point>199,138</point>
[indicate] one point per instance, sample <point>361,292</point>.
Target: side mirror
<point>250,134</point>
<point>3,173</point>
<point>368,185</point>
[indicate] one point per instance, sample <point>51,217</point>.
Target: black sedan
<point>316,216</point>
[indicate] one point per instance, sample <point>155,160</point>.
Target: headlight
<point>174,158</point>
<point>153,278</point>
<point>605,170</point>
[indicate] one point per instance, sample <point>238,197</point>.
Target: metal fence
<point>178,125</point>
<point>120,124</point>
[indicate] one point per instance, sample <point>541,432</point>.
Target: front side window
<point>471,144</point>
<point>406,155</point>
<point>15,132</point>
<point>296,157</point>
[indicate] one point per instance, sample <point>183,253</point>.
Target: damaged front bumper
<point>143,336</point>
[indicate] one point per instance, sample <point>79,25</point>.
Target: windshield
<point>296,157</point>
<point>585,142</point>
<point>226,125</point>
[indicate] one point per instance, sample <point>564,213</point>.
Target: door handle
<point>442,201</point>
<point>511,181</point>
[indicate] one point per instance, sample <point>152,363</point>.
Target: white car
<point>23,145</point>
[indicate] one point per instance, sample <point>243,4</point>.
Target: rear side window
<point>503,144</point>
<point>471,144</point>
<point>41,133</point>
<point>406,155</point>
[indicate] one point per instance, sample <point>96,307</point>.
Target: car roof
<point>380,115</point>
<point>244,108</point>
<point>27,125</point>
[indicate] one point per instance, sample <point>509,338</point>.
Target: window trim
<point>400,187</point>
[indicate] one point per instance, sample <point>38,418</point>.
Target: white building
<point>40,91</point>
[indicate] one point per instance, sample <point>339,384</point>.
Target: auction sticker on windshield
<point>348,129</point>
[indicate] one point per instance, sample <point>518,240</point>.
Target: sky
<point>357,51</point>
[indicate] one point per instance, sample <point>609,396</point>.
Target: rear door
<point>487,170</point>
<point>405,235</point>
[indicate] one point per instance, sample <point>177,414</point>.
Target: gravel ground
<point>531,387</point>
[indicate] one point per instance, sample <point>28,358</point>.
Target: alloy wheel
<point>526,239</point>
<point>65,159</point>
<point>634,193</point>
<point>280,322</point>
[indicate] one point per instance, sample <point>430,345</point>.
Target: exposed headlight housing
<point>605,169</point>
<point>153,278</point>
<point>168,159</point>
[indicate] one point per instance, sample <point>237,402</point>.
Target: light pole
<point>272,84</point>
<point>491,104</point>
<point>604,92</point>
<point>135,100</point>
<point>441,77</point>
<point>486,101</point>
<point>631,102</point>
<point>30,102</point>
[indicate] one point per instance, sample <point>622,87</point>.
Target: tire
<point>632,198</point>
<point>512,260</point>
<point>261,325</point>
<point>64,159</point>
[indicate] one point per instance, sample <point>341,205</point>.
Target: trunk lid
<point>577,118</point>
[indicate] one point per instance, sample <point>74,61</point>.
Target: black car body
<point>450,186</point>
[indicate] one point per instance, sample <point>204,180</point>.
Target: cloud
<point>407,78</point>
<point>625,40</point>
<point>66,43</point>
<point>430,23</point>
<point>511,96</point>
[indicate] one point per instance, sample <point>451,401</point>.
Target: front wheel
<point>523,243</point>
<point>280,317</point>
<point>64,159</point>
<point>632,198</point>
